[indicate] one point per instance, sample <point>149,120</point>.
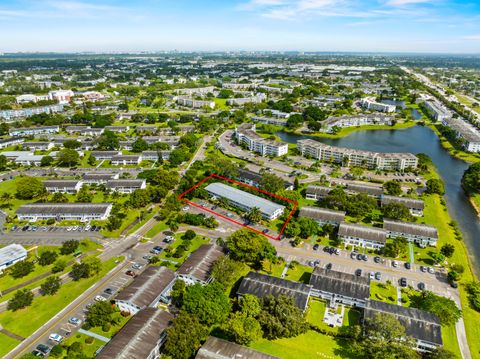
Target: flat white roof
<point>11,253</point>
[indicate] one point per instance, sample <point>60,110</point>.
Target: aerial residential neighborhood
<point>292,179</point>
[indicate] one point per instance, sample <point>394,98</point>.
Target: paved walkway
<point>399,296</point>
<point>94,335</point>
<point>11,335</point>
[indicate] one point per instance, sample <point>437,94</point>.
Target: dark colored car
<point>45,349</point>
<point>403,282</point>
<point>454,284</point>
<point>131,273</point>
<point>109,291</point>
<point>364,257</point>
<point>353,255</point>
<point>421,286</point>
<point>38,353</point>
<point>378,276</point>
<point>377,259</point>
<point>326,249</point>
<point>408,265</point>
<point>359,256</point>
<point>315,247</point>
<point>265,231</point>
<point>328,266</point>
<point>358,272</point>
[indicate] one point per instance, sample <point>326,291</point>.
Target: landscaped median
<point>25,322</point>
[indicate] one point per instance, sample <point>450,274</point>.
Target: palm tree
<point>254,215</point>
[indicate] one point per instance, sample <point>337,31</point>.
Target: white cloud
<point>406,2</point>
<point>472,37</point>
<point>292,9</point>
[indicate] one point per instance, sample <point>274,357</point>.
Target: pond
<point>419,139</point>
<point>417,115</point>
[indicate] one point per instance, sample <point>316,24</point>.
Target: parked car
<point>359,256</point>
<point>394,264</point>
<point>38,353</point>
<point>378,276</point>
<point>353,255</point>
<point>337,251</point>
<point>99,298</point>
<point>75,321</point>
<point>109,291</point>
<point>265,231</point>
<point>44,348</point>
<point>377,259</point>
<point>403,282</point>
<point>421,286</point>
<point>423,269</point>
<point>408,265</point>
<point>372,276</point>
<point>454,284</point>
<point>131,273</point>
<point>431,270</point>
<point>54,337</point>
<point>328,266</point>
<point>156,250</point>
<point>147,257</point>
<point>364,257</point>
<point>358,272</point>
<point>169,239</point>
<point>315,247</point>
<point>327,248</point>
<point>137,266</point>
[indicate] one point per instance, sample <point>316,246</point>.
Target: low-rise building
<point>357,120</point>
<point>146,289</point>
<point>323,215</point>
<point>254,179</point>
<point>99,178</point>
<point>368,189</point>
<point>190,102</point>
<point>362,236</point>
<point>371,104</point>
<point>215,348</point>
<point>245,201</point>
<point>415,206</point>
<point>466,132</point>
<point>245,134</point>
<point>83,212</point>
<point>155,155</point>
<point>123,160</point>
<point>422,326</point>
<point>63,186</point>
<point>270,120</point>
<point>438,112</point>
<point>29,160</point>
<point>12,141</point>
<point>422,234</point>
<point>105,155</point>
<point>262,285</point>
<point>29,131</point>
<point>12,115</point>
<point>141,338</point>
<point>11,254</point>
<point>357,158</point>
<point>340,288</point>
<point>118,129</point>
<point>126,185</point>
<point>38,146</point>
<point>316,193</point>
<point>196,268</point>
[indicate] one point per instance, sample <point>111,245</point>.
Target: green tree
<point>395,248</point>
<point>139,145</point>
<point>59,197</point>
<point>250,305</point>
<point>177,293</point>
<point>84,195</point>
<point>242,329</point>
<point>21,299</point>
<point>69,246</point>
<point>3,162</point>
<point>68,157</point>
<point>295,121</point>
<point>471,178</point>
<point>441,353</point>
<point>184,337</point>
<point>30,188</point>
<point>392,188</point>
<point>108,141</point>
<point>447,250</point>
<point>385,337</point>
<point>396,211</point>
<point>245,245</point>
<point>21,269</point>
<point>254,215</point>
<point>271,182</point>
<point>281,318</point>
<point>59,266</point>
<point>72,144</point>
<point>308,227</point>
<point>189,235</point>
<point>100,313</point>
<point>227,271</point>
<point>445,308</point>
<point>208,303</point>
<point>46,161</point>
<point>91,160</point>
<point>51,285</point>
<point>47,257</point>
<point>473,289</point>
<point>435,186</point>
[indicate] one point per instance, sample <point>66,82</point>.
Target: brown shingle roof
<point>199,263</point>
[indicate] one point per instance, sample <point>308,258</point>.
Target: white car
<point>394,264</point>
<point>69,229</point>
<point>55,337</point>
<point>87,227</point>
<point>99,298</point>
<point>431,270</point>
<point>372,275</point>
<point>75,321</point>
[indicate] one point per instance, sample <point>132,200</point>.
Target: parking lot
<point>31,228</point>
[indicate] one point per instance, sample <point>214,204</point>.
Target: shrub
<point>56,351</point>
<point>106,327</point>
<point>75,347</point>
<point>89,340</point>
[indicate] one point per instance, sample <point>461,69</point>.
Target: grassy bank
<point>462,155</point>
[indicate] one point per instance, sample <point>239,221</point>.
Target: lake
<point>419,139</point>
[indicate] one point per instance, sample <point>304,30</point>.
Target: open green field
<point>156,229</point>
<point>196,243</point>
<point>221,104</point>
<point>306,346</point>
<point>299,273</point>
<point>465,156</point>
<point>383,292</point>
<point>26,321</point>
<point>7,343</point>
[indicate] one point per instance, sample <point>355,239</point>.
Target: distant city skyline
<point>427,26</point>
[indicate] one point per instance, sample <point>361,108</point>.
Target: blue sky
<point>304,25</point>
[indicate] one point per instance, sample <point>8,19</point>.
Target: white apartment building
<point>352,157</point>
<point>353,121</point>
<point>245,133</point>
<point>190,102</point>
<point>469,134</point>
<point>438,112</point>
<point>43,130</point>
<point>371,104</point>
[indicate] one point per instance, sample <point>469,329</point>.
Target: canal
<point>419,139</point>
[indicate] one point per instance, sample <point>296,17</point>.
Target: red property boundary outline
<point>295,204</point>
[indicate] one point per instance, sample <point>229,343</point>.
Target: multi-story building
<point>469,135</point>
<point>243,100</point>
<point>357,120</point>
<point>371,104</point>
<point>83,212</point>
<point>245,134</point>
<point>323,215</point>
<point>29,131</point>
<point>197,267</point>
<point>362,236</point>
<point>415,206</point>
<point>190,102</point>
<point>438,112</point>
<point>270,120</point>
<point>12,115</point>
<point>38,146</point>
<point>126,185</point>
<point>421,234</point>
<point>123,160</point>
<point>12,141</point>
<point>63,186</point>
<point>352,157</point>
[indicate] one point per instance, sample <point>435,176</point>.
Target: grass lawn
<point>468,157</point>
<point>449,336</point>
<point>221,103</point>
<point>299,273</point>
<point>26,321</point>
<point>7,281</point>
<point>156,229</point>
<point>273,269</point>
<point>7,343</point>
<point>383,292</point>
<point>113,329</point>
<point>196,242</point>
<point>11,187</point>
<point>88,350</point>
<point>305,346</point>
